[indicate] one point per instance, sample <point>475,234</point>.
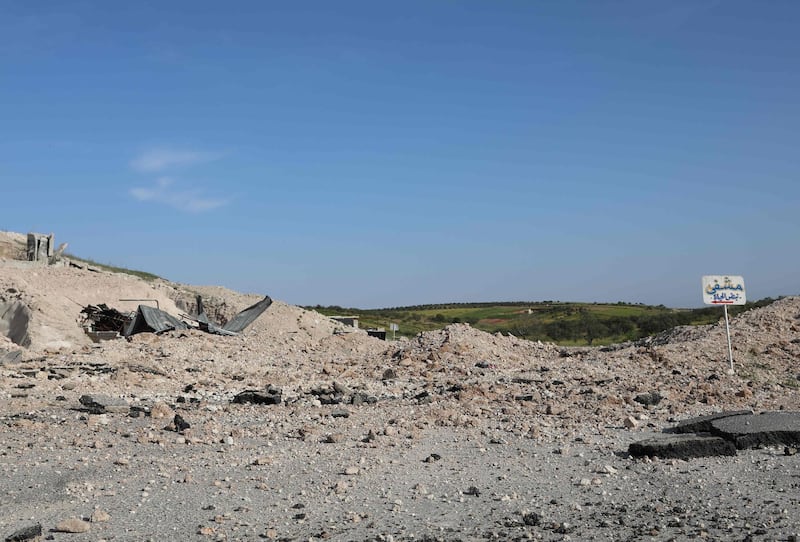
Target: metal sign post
<point>728,332</point>
<point>394,328</point>
<point>724,290</point>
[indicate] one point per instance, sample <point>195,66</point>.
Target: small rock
<point>73,525</point>
<point>26,533</point>
<point>351,471</point>
<point>648,399</point>
<point>564,528</point>
<point>99,404</point>
<point>161,410</point>
<point>532,519</point>
<point>630,422</point>
<point>180,424</point>
<point>340,487</point>
<point>341,389</point>
<point>100,516</point>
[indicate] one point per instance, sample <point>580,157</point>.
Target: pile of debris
<point>102,322</point>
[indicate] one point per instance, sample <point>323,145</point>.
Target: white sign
<point>723,290</point>
<point>393,327</point>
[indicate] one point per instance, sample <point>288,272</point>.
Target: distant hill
<point>552,321</point>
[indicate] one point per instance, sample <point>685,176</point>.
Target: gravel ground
<point>434,483</point>
<point>452,435</point>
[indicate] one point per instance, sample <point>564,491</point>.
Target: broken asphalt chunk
<point>270,396</point>
<point>702,424</point>
<point>682,446</point>
<point>26,533</point>
<point>100,404</point>
<point>758,430</point>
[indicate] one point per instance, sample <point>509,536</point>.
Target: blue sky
<point>373,154</point>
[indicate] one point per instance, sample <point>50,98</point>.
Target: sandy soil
<point>452,435</point>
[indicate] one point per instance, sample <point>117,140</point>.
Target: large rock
<point>757,430</point>
<point>682,446</point>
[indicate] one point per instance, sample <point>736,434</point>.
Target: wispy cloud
<point>155,160</point>
<point>166,192</point>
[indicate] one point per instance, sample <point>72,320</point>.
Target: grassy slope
<point>564,323</point>
<point>107,267</point>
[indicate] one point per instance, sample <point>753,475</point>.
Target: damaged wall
<point>15,318</point>
<point>40,247</point>
<point>217,309</point>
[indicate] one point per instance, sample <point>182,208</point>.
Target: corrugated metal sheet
<point>239,322</point>
<point>150,319</point>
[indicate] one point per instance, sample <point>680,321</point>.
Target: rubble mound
<point>12,245</point>
<point>472,430</point>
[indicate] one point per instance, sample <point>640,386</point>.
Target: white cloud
<point>167,193</point>
<point>155,160</point>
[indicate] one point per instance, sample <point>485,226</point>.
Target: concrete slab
<point>781,428</point>
<point>682,446</point>
<point>702,424</point>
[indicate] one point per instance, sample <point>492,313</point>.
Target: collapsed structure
<point>102,319</point>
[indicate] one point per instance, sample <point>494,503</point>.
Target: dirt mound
<point>13,246</point>
<point>40,307</point>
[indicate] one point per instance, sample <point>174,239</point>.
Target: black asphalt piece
<point>702,424</point>
<point>270,396</point>
<point>682,446</point>
<point>26,533</point>
<point>99,404</point>
<point>180,424</point>
<point>648,399</point>
<point>781,428</point>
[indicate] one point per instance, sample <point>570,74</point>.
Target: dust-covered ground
<point>452,435</point>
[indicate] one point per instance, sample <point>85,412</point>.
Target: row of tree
<point>589,327</point>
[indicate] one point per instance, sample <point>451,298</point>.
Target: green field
<point>113,269</point>
<point>563,323</point>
